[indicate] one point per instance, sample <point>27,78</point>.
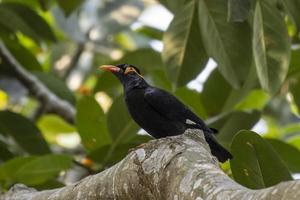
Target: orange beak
<point>110,68</point>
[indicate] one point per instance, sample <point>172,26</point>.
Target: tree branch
<point>179,167</point>
<point>53,103</point>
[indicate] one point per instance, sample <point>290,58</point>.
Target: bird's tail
<point>216,149</point>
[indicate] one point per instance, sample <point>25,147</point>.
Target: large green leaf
<point>5,154</point>
<point>145,59</point>
<point>120,124</point>
<point>25,133</point>
<point>255,163</point>
<point>238,10</point>
<point>91,123</point>
<point>173,5</point>
<point>183,52</point>
<point>150,32</point>
<point>57,86</point>
<point>52,125</point>
<point>294,68</point>
<point>69,6</point>
<point>43,168</point>
<point>18,17</point>
<point>9,169</point>
<point>192,99</point>
<point>228,43</point>
<point>288,153</point>
<point>229,124</point>
<point>295,89</point>
<point>215,92</point>
<point>271,45</point>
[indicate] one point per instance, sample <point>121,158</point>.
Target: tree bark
<point>179,167</point>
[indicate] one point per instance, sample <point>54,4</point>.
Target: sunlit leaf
<point>271,46</point>
<point>25,133</point>
<point>255,163</point>
<point>293,7</point>
<point>183,52</point>
<point>256,99</point>
<point>91,124</point>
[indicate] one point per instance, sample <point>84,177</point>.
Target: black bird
<point>158,112</point>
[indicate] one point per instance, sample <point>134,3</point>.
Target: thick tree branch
<point>179,167</point>
<point>53,103</point>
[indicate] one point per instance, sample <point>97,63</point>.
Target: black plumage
<point>158,112</point>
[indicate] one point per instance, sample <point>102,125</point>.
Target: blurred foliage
<point>254,86</point>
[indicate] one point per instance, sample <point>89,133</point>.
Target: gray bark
<point>179,167</point>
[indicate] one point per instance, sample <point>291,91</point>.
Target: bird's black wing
<point>171,108</point>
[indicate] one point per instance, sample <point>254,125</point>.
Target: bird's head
<point>126,73</point>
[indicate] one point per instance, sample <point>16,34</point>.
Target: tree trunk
<point>179,167</point>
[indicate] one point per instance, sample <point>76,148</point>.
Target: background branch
<point>179,167</point>
<point>51,102</point>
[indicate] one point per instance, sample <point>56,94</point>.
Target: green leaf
<point>238,10</point>
<point>23,55</point>
<point>18,17</point>
<point>69,6</point>
<point>57,86</point>
<point>255,163</point>
<point>229,124</point>
<point>192,99</point>
<point>228,43</point>
<point>271,46</point>
<point>294,68</point>
<point>145,59</point>
<point>288,153</point>
<point>173,5</point>
<point>151,32</point>
<point>9,169</point>
<point>295,90</point>
<point>91,124</point>
<point>25,133</point>
<point>120,124</point>
<point>256,99</point>
<point>215,92</point>
<point>52,124</point>
<point>43,168</point>
<point>183,53</point>
<point>5,154</point>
